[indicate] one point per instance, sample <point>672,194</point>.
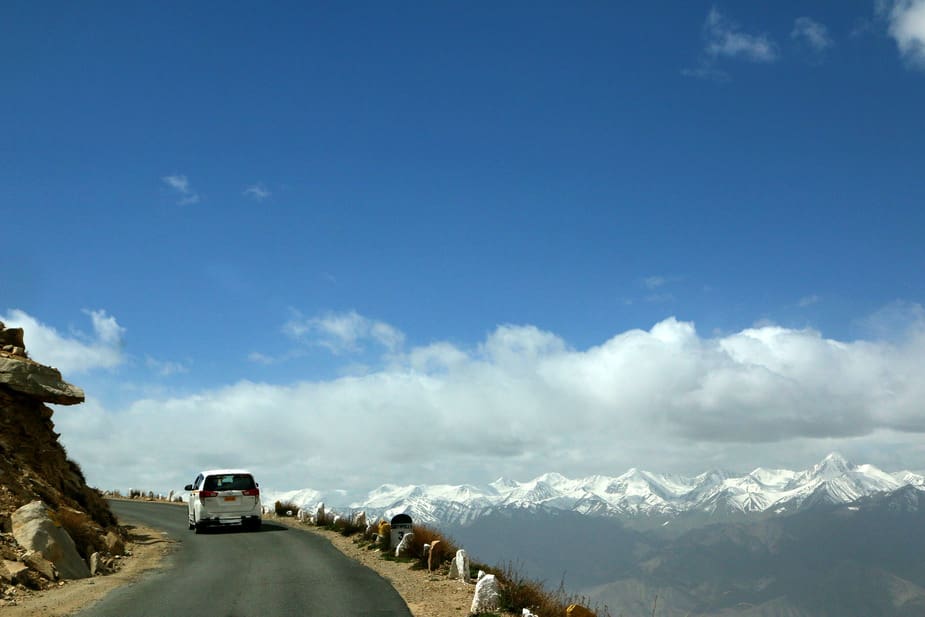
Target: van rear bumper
<point>219,521</point>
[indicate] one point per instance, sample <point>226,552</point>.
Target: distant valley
<point>860,559</point>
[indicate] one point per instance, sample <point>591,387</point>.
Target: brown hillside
<point>33,464</point>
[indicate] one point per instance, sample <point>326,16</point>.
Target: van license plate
<point>229,498</point>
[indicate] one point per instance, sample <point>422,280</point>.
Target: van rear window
<point>229,482</point>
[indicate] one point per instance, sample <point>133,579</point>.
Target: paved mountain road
<point>276,572</point>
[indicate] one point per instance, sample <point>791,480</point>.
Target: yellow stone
<point>385,533</point>
<point>577,610</point>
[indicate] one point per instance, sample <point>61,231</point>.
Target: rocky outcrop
<point>37,380</point>
<point>35,472</point>
<point>20,374</point>
<point>11,341</point>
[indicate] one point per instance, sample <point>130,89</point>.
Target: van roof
<point>219,472</point>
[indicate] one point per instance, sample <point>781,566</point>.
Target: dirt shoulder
<point>147,546</point>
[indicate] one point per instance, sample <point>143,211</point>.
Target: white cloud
<point>76,353</point>
<point>165,368</point>
<point>260,358</point>
<point>181,185</point>
<point>813,33</point>
<point>344,332</point>
<point>654,282</point>
<point>706,70</point>
<point>907,27</point>
<point>725,39</point>
<point>808,300</point>
<point>895,322</point>
<point>524,402</point>
<point>257,191</point>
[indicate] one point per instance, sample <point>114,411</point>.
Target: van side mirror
<point>188,487</point>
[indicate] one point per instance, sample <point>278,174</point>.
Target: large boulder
<point>34,530</point>
<point>37,380</point>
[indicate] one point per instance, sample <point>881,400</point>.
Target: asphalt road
<point>275,572</point>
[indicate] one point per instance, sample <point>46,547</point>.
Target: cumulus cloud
<point>523,402</point>
<point>257,192</point>
<point>344,332</point>
<point>808,300</point>
<point>653,282</point>
<point>724,39</point>
<point>260,358</point>
<point>74,353</point>
<point>906,24</point>
<point>181,186</point>
<point>165,368</point>
<point>895,322</point>
<point>813,33</point>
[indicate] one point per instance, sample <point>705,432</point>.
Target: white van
<point>224,497</point>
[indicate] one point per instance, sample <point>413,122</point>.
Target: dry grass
<point>519,592</point>
<point>344,525</point>
<point>428,535</point>
<point>85,533</point>
<point>325,521</point>
<point>285,508</point>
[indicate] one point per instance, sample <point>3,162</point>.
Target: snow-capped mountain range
<point>636,494</point>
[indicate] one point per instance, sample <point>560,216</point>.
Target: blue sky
<point>451,212</point>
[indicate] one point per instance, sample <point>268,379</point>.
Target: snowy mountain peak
<point>910,478</point>
<point>634,494</point>
<point>833,465</point>
<point>772,477</point>
<point>632,472</point>
<point>503,483</point>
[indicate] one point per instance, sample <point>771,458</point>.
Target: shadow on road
<point>139,537</point>
<point>264,528</point>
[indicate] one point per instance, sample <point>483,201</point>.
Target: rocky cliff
<point>34,466</point>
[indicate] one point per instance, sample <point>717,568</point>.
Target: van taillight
<point>251,492</point>
<point>204,494</point>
